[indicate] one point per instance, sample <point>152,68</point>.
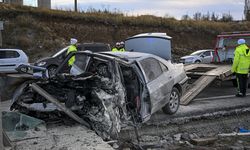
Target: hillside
<point>41,32</point>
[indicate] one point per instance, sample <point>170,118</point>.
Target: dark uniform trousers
<point>242,83</point>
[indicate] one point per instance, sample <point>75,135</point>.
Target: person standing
<point>72,48</point>
<point>241,65</point>
<point>117,47</point>
<point>122,47</point>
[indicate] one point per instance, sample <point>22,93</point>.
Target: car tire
<point>172,106</point>
<point>197,61</point>
<point>52,70</point>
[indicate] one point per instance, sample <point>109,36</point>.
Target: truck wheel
<point>174,102</point>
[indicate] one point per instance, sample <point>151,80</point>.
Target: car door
<point>206,57</point>
<point>159,82</point>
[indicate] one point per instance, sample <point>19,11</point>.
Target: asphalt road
<point>214,90</point>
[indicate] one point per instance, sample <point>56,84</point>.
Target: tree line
<point>198,16</point>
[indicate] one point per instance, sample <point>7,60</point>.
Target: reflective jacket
<point>241,62</point>
<point>118,50</point>
<point>114,49</point>
<point>72,48</point>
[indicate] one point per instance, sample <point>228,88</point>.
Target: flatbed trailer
<point>204,74</point>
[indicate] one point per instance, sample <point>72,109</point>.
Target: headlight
<point>41,63</point>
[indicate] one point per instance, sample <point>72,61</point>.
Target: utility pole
<point>246,10</point>
<point>75,5</point>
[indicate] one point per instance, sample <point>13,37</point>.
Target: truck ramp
<point>198,86</point>
<point>208,73</point>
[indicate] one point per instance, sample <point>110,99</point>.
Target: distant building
<point>247,10</point>
<point>34,3</point>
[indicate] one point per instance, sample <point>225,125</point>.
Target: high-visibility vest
<point>114,49</point>
<point>118,50</point>
<point>241,63</point>
<point>72,48</point>
<point>122,50</point>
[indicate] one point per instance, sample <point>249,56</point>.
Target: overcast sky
<point>175,8</point>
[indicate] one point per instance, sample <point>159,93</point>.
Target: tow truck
<point>220,68</point>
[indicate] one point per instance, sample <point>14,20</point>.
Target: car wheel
<point>52,70</point>
<point>174,102</point>
<point>197,61</point>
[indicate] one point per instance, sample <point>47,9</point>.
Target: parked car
<point>200,56</point>
<point>110,90</point>
<point>10,59</point>
<point>51,63</point>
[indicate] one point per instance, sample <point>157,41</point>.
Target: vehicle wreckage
<point>106,91</point>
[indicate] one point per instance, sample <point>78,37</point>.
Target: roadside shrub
<point>24,42</point>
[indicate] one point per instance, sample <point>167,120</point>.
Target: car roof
<point>147,35</point>
<point>129,56</point>
<point>203,50</point>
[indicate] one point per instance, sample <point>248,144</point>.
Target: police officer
<point>72,48</point>
<point>122,47</point>
<point>117,47</point>
<point>241,65</point>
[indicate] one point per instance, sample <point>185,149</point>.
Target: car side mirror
<point>202,56</point>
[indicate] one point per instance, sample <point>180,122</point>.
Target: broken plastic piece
<point>242,130</point>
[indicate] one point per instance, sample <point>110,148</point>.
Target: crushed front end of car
<point>98,97</point>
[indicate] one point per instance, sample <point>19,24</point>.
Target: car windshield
<point>60,52</point>
<point>196,53</point>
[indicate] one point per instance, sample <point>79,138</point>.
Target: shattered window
<point>151,68</point>
<point>81,61</point>
<point>80,64</point>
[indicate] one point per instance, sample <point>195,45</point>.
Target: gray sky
<point>175,8</point>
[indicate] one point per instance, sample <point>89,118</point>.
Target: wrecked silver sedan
<point>107,90</point>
